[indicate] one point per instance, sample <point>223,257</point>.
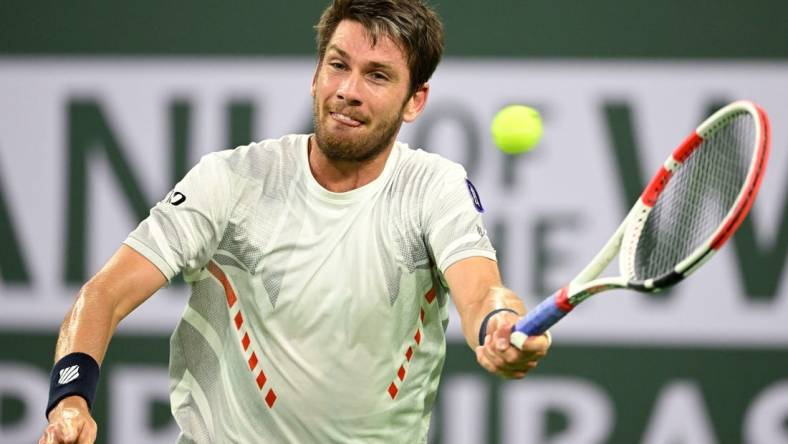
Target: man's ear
<point>415,104</point>
<point>314,79</point>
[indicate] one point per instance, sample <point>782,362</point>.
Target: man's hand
<point>70,423</point>
<point>500,357</point>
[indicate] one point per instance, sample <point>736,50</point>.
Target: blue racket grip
<point>544,315</point>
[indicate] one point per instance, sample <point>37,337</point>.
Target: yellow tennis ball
<point>516,129</point>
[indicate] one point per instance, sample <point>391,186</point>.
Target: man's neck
<point>340,176</point>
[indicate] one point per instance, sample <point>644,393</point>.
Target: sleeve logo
<point>176,198</point>
<point>477,201</point>
<point>68,374</point>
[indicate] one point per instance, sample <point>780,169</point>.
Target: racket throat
<point>579,292</point>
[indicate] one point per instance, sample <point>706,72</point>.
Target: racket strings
<point>697,198</point>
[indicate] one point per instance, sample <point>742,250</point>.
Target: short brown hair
<point>413,25</point>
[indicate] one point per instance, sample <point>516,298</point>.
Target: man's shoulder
<point>423,163</point>
<point>259,158</point>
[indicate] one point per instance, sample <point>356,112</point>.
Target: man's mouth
<point>345,119</point>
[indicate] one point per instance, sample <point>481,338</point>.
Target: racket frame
<point>626,236</point>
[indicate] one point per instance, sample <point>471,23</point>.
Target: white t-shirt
<point>314,316</point>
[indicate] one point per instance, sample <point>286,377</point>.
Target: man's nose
<point>349,89</point>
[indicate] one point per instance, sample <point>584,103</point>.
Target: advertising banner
<point>87,146</point>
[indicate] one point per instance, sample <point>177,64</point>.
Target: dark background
<point>724,29</point>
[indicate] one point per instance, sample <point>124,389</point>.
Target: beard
<point>350,147</point>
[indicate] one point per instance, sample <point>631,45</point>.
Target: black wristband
<point>483,327</point>
<point>74,374</point>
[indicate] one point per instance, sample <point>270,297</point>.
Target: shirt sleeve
<point>454,226</point>
<point>183,231</point>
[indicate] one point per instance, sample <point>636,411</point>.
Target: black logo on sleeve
<point>176,198</point>
<point>477,201</point>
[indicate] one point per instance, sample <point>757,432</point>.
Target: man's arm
<point>476,289</point>
<point>125,282</point>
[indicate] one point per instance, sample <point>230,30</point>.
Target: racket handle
<point>542,317</point>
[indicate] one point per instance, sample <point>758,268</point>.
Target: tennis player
<point>320,265</point>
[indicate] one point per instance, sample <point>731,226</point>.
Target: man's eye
<point>337,65</point>
<point>379,76</point>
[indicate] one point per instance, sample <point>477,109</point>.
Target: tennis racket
<point>692,206</point>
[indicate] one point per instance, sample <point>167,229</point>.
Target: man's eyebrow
<point>381,65</point>
<point>373,64</point>
<point>337,49</point>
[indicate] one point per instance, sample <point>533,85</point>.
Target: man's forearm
<point>125,282</point>
<point>89,325</point>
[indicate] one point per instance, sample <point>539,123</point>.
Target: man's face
<point>361,95</point>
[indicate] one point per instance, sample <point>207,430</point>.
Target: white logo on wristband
<point>68,374</point>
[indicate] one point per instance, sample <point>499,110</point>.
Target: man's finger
<point>92,432</point>
<point>505,371</point>
<point>515,374</point>
<point>502,335</point>
<point>48,436</point>
<point>494,363</point>
<point>500,352</point>
<point>85,437</point>
<point>66,432</point>
<point>512,359</point>
<point>493,356</point>
<point>54,434</point>
<point>536,345</point>
<point>482,360</point>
